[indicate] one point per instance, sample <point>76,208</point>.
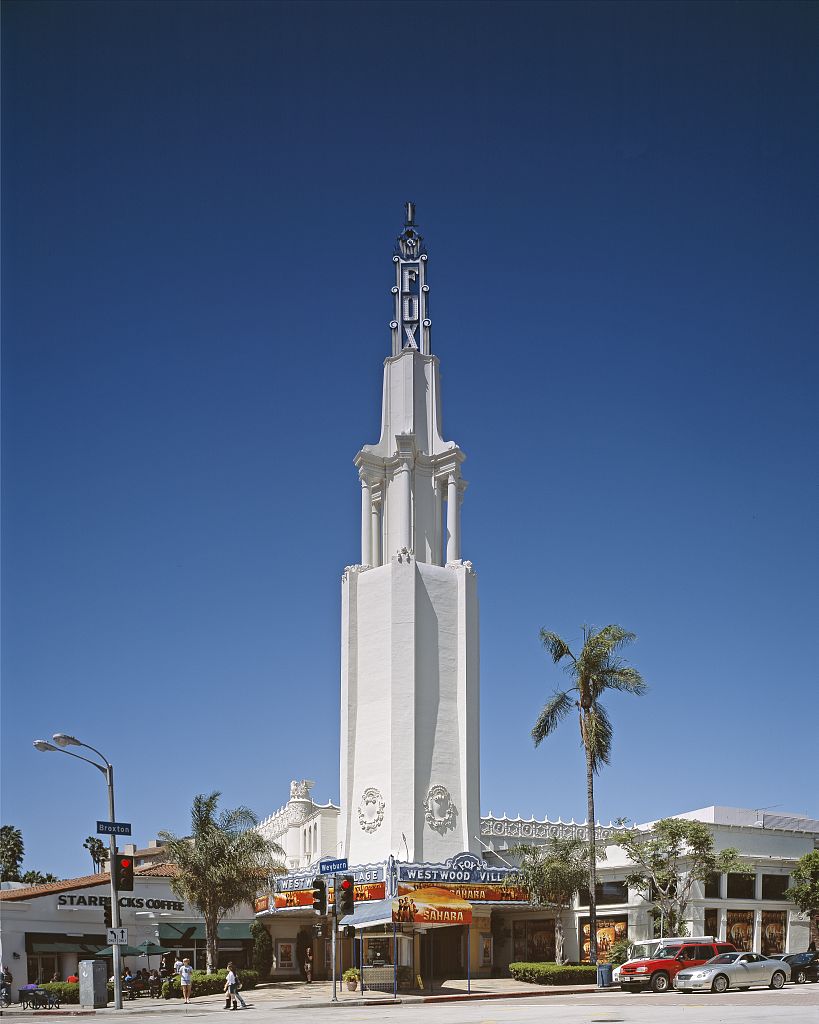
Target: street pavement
<point>299,1004</point>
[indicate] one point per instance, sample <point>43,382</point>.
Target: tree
<point>804,891</point>
<point>669,858</point>
<point>595,670</point>
<point>12,851</point>
<point>262,950</point>
<point>98,850</point>
<point>38,878</point>
<point>552,874</point>
<point>223,863</point>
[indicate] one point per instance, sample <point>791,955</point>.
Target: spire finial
<point>409,215</point>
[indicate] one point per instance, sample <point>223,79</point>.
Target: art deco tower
<point>410,772</point>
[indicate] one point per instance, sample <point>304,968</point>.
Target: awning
<point>369,915</point>
<point>187,932</point>
<point>64,947</point>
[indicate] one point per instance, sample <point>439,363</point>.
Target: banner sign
<point>295,891</point>
<point>468,877</point>
<point>429,905</point>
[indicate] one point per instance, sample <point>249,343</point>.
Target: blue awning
<point>369,915</point>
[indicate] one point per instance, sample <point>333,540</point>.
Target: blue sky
<point>200,201</point>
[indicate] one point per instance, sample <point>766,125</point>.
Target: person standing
<point>308,964</point>
<point>185,972</point>
<point>230,989</point>
<point>177,964</point>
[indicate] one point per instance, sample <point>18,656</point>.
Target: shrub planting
<point>554,974</point>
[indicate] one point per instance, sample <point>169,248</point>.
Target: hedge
<point>554,974</point>
<point>202,984</point>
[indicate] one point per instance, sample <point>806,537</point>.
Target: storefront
<point>47,929</point>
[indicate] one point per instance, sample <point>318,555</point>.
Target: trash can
<point>93,983</point>
<point>604,972</point>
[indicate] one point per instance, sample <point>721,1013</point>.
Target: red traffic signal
<point>345,895</point>
<point>123,873</point>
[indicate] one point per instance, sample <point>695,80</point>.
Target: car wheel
<point>659,982</point>
<point>800,978</point>
<point>778,980</point>
<point>720,983</point>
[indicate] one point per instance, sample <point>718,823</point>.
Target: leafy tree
<point>262,950</point>
<point>38,878</point>
<point>619,952</point>
<point>98,850</point>
<point>669,858</point>
<point>804,891</point>
<point>597,669</point>
<point>12,851</point>
<point>223,863</point>
<point>552,874</point>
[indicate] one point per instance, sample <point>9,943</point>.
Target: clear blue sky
<point>200,200</point>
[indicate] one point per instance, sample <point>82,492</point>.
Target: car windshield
<point>723,958</point>
<point>667,952</point>
<point>639,951</point>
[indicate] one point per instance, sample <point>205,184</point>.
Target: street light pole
<point>107,769</point>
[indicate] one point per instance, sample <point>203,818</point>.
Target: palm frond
<point>597,736</point>
<point>624,678</point>
<point>555,645</point>
<point>553,713</point>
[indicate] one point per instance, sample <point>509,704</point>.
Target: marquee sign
<point>295,891</point>
<point>465,876</point>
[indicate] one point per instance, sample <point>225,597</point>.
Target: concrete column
<point>366,525</point>
<point>403,483</point>
<point>376,529</point>
<point>453,517</point>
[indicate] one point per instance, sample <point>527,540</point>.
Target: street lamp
<point>64,740</point>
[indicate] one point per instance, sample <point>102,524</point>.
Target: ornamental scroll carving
<point>439,810</point>
<point>371,809</point>
<point>541,829</point>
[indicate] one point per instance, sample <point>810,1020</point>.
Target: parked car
<point>659,972</point>
<point>645,949</point>
<point>804,966</point>
<point>732,970</point>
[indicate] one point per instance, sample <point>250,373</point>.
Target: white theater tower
<point>409,631</point>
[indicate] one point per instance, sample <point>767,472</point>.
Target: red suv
<point>672,956</point>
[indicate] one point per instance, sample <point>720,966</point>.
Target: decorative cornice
<point>520,828</point>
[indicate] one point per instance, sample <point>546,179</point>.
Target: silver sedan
<point>731,970</point>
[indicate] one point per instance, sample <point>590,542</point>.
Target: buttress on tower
<point>410,678</point>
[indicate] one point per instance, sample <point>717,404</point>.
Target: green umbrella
<point>149,949</point>
<point>123,950</point>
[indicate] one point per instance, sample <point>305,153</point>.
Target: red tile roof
<point>85,882</point>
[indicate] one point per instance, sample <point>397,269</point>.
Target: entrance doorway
<point>443,953</point>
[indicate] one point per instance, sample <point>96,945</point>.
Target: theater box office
<point>47,929</point>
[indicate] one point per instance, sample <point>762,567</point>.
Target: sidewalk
<point>296,994</point>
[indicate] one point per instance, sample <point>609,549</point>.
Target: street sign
<point>329,867</point>
<point>117,936</point>
<point>113,828</point>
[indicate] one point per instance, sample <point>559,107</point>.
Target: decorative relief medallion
<point>439,810</point>
<point>371,809</point>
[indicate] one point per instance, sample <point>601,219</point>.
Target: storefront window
<point>740,928</point>
<point>774,886</point>
<point>740,887</point>
<point>533,941</point>
<point>774,923</point>
<point>607,894</point>
<point>378,949</point>
<point>712,886</point>
<point>609,930</point>
<point>42,968</point>
<point>712,922</point>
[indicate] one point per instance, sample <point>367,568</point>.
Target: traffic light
<point>349,931</point>
<point>106,916</point>
<point>345,895</point>
<point>319,895</point>
<point>124,873</point>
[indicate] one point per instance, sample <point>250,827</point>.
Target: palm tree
<point>12,851</point>
<point>552,874</point>
<point>224,862</point>
<point>595,670</point>
<point>99,853</point>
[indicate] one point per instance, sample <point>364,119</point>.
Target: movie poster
<point>774,923</point>
<point>609,930</point>
<point>712,922</point>
<point>284,954</point>
<point>740,929</point>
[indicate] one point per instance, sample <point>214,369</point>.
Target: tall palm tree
<point>224,862</point>
<point>595,670</point>
<point>99,853</point>
<point>12,851</point>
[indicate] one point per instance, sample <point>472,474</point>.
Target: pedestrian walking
<point>185,972</point>
<point>230,989</point>
<point>242,1003</point>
